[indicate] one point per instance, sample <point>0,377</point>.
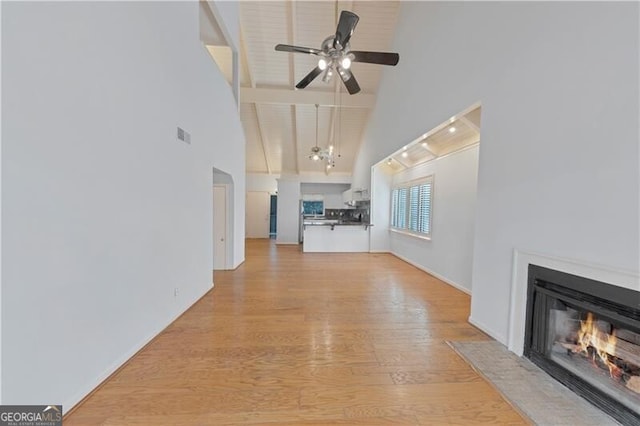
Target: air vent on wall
<point>184,136</point>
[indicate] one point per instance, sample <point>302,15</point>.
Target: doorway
<point>219,227</point>
<point>273,217</point>
<point>257,214</point>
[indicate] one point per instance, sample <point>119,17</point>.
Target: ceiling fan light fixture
<point>327,75</point>
<point>335,52</point>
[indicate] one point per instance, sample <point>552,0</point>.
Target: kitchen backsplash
<point>356,215</point>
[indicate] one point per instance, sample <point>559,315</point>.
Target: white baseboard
<point>497,336</point>
<point>70,403</point>
<point>435,274</point>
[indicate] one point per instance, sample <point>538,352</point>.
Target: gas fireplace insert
<point>586,334</point>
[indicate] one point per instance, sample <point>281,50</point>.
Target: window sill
<point>411,234</point>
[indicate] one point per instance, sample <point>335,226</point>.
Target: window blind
<point>411,206</point>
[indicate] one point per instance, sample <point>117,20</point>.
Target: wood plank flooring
<point>292,338</point>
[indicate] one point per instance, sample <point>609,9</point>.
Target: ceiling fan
<point>336,55</point>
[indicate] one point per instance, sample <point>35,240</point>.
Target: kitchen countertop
<point>334,222</point>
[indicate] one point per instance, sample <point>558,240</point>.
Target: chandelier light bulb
<point>315,157</point>
<point>346,62</point>
<point>322,64</point>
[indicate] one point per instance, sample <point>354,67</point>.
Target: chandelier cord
<point>317,125</point>
<point>340,120</point>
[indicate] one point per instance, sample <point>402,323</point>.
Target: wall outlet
<point>175,292</point>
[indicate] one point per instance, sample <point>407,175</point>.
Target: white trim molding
<point>430,272</point>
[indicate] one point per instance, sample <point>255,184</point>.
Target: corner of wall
<point>487,330</point>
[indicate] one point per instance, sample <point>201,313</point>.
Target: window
<point>313,207</point>
<point>411,207</point>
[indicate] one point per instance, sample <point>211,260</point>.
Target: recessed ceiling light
<point>405,154</point>
<point>452,129</point>
<point>404,148</point>
<point>389,161</point>
<point>424,144</point>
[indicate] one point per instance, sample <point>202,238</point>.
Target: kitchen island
<point>325,235</point>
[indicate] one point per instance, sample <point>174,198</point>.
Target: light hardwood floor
<point>307,339</point>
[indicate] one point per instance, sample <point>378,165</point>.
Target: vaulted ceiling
<point>280,121</point>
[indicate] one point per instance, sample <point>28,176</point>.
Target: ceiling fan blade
<point>349,81</point>
<point>346,25</point>
<point>382,58</point>
<point>297,49</point>
<point>309,78</point>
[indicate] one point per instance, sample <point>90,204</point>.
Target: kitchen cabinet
<point>351,196</point>
<point>322,237</point>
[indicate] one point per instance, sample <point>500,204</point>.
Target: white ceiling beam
<point>261,132</point>
<point>292,75</point>
<point>304,97</point>
<point>294,135</point>
<point>470,123</point>
<point>262,138</point>
<point>291,9</point>
<point>245,57</point>
<point>402,163</point>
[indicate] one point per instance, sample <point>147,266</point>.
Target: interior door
<point>258,214</point>
<point>219,227</point>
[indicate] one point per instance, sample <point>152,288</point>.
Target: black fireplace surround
<point>559,306</point>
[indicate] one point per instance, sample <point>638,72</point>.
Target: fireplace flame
<point>603,343</point>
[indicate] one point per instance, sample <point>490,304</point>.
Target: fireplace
<point>586,334</point>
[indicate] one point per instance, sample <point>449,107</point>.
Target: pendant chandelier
<point>320,154</point>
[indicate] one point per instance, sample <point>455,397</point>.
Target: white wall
<point>229,12</point>
<point>558,84</point>
<point>331,192</point>
<point>381,178</point>
<point>104,211</point>
<point>1,174</point>
<point>449,253</point>
<point>234,254</point>
<point>262,182</point>
<point>257,220</point>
